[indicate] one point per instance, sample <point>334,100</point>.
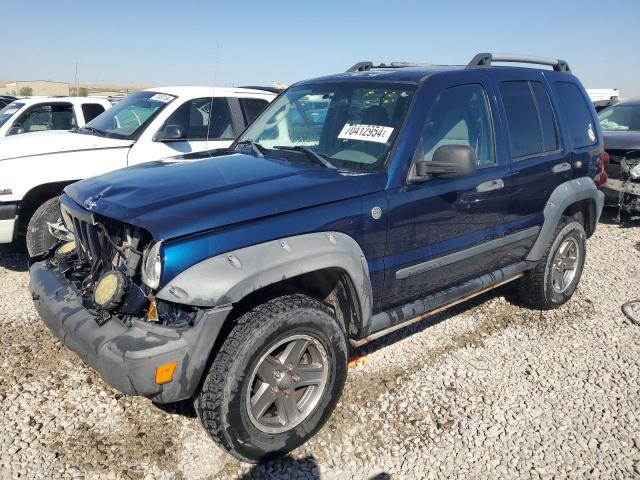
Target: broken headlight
<point>152,266</point>
<point>634,173</point>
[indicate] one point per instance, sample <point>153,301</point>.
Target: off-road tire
<point>39,239</point>
<point>221,404</point>
<point>535,288</point>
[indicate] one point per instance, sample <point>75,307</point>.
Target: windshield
<point>352,125</point>
<point>127,118</point>
<point>7,112</point>
<point>620,118</point>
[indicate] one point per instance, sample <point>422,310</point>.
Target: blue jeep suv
<point>354,205</point>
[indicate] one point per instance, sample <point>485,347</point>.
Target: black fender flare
<point>229,277</point>
<point>561,198</point>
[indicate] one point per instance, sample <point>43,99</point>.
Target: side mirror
<point>15,131</point>
<point>170,133</point>
<point>448,161</point>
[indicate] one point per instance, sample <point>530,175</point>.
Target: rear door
<point>538,160</point>
<point>444,230</point>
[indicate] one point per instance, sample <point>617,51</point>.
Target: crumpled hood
<point>172,198</point>
<point>624,140</point>
<point>54,141</point>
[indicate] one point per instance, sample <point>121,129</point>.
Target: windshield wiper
<point>94,130</point>
<point>310,153</point>
<point>256,147</point>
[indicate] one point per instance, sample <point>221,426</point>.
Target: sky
<point>257,43</point>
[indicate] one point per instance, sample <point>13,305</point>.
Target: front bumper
<point>8,221</point>
<point>126,357</point>
<point>616,191</point>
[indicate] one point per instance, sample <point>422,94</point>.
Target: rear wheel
<point>554,279</point>
<point>39,238</point>
<point>275,380</point>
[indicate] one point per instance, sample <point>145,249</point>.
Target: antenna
<point>213,91</point>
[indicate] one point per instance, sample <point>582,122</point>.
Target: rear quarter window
<point>580,123</point>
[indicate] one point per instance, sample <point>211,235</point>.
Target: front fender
<point>227,278</point>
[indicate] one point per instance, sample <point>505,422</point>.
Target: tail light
<point>601,177</point>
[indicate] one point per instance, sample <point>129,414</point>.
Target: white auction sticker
<point>161,97</point>
<point>368,133</point>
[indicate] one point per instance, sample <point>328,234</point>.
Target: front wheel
<point>276,378</point>
<point>39,238</point>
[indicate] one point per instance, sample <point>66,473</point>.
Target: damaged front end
<point>115,268</point>
<point>96,294</point>
<point>622,188</point>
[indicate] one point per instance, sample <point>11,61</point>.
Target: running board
<point>387,322</point>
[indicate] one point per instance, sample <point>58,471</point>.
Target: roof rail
<point>360,67</point>
<point>485,59</point>
<point>365,66</point>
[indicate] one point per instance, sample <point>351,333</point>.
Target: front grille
<point>85,229</point>
<point>86,235</point>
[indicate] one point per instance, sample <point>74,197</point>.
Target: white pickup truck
<point>145,126</point>
<point>55,113</point>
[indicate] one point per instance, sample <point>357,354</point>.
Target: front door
<point>444,230</point>
<point>206,123</point>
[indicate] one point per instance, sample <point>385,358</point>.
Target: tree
<point>25,91</point>
<point>83,91</point>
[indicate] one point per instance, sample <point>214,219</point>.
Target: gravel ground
<point>495,391</point>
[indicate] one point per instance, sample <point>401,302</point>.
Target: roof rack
<point>365,66</point>
<point>485,59</point>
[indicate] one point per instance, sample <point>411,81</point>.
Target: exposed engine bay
<point>105,262</point>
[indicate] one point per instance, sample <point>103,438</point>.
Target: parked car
<point>603,97</point>
<point>6,100</point>
<point>240,281</point>
<point>55,113</point>
<point>145,126</point>
<point>620,124</point>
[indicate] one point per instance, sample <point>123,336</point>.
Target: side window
<point>203,118</point>
<point>251,107</point>
<point>547,118</point>
<point>460,116</point>
<point>55,116</point>
<point>91,111</point>
<point>532,125</point>
<point>577,113</point>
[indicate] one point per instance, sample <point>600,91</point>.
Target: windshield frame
<point>413,88</point>
<point>141,128</point>
<point>618,106</point>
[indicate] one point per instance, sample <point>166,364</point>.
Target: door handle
<point>490,186</point>
<point>561,167</point>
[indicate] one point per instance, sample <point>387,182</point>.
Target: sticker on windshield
<point>10,111</point>
<point>161,97</point>
<point>368,133</point>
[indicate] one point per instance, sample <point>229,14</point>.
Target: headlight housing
<point>152,266</point>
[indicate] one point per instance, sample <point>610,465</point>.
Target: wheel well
<point>585,212</point>
<point>331,286</point>
<point>36,197</point>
